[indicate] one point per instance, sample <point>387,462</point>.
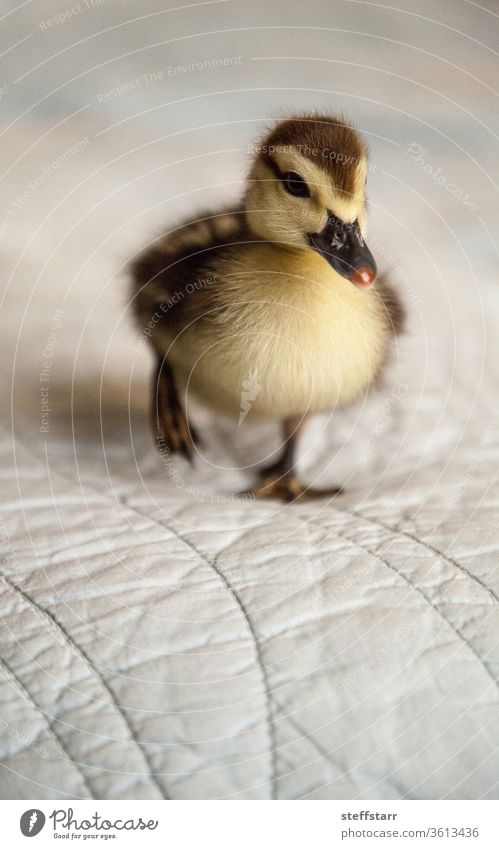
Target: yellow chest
<point>288,335</point>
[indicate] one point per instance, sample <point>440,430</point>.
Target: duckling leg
<point>170,427</point>
<point>280,480</point>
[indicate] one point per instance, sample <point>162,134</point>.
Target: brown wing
<point>176,265</point>
<point>166,278</point>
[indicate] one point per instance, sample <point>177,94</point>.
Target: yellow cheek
<point>313,217</point>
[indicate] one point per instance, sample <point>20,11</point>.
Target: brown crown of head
<point>327,141</point>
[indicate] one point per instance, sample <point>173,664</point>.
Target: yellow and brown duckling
<point>277,295</point>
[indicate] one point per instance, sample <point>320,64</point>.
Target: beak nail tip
<point>365,277</point>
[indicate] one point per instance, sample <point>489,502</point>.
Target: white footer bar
<point>252,825</point>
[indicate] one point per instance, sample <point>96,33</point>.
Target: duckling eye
<point>295,185</point>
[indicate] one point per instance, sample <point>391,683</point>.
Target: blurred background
<point>117,119</point>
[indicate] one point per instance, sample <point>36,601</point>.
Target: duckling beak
<point>343,247</point>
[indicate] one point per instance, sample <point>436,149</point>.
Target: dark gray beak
<point>343,246</point>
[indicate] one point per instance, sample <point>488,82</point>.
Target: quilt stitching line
<point>449,560</point>
<point>213,564</point>
<point>93,670</point>
<point>49,726</point>
<point>258,657</point>
<point>373,553</point>
<point>240,606</point>
<point>155,521</point>
<point>424,544</point>
<point>265,679</point>
<point>461,636</point>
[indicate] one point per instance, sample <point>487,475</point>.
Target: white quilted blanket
<point>159,638</point>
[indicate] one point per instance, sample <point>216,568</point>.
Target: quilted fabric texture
<point>159,637</point>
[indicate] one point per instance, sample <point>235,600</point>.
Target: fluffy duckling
<point>269,310</point>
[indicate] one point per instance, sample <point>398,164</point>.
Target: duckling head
<point>306,189</point>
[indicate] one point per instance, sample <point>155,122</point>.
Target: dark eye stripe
<point>295,185</point>
<point>282,175</point>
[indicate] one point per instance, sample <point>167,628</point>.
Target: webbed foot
<point>288,487</point>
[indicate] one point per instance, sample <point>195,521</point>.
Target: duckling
<point>268,311</point>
